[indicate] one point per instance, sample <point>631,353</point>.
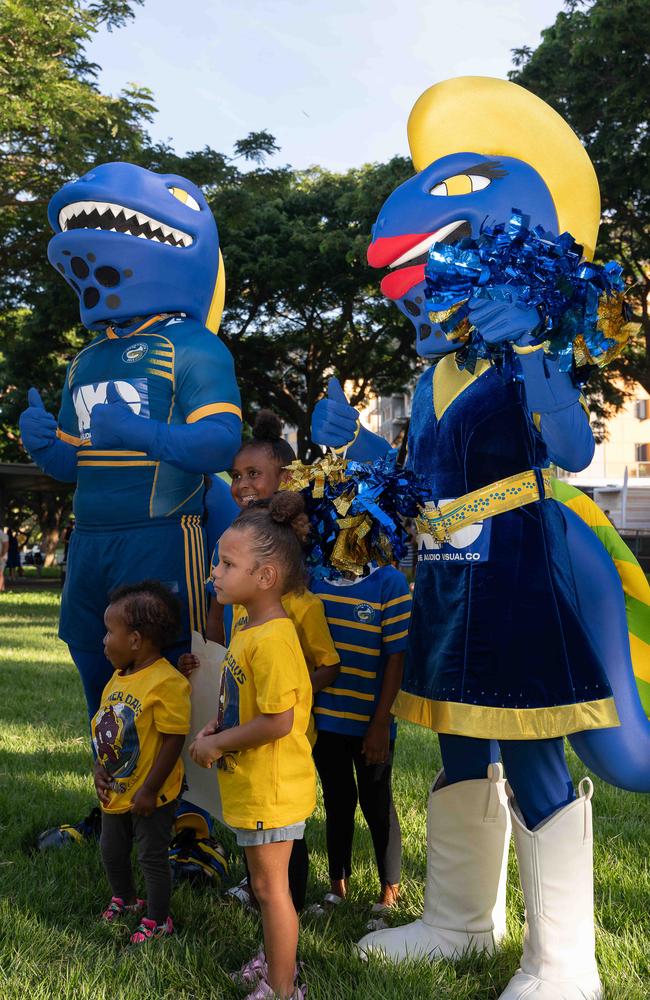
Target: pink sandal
<point>118,908</point>
<point>149,930</point>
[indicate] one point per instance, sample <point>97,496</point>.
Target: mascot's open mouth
<point>118,219</point>
<point>406,255</point>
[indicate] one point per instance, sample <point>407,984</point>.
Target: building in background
<point>618,478</point>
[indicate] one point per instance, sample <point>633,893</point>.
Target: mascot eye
<point>186,198</point>
<point>460,184</point>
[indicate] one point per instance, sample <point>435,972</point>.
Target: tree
<point>593,66</point>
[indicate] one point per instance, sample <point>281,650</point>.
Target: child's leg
<point>299,873</point>
<point>269,868</point>
<point>333,759</point>
<point>153,836</point>
<point>376,801</point>
<point>115,844</point>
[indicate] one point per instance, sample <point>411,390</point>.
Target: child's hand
<point>187,663</point>
<point>376,742</point>
<point>209,729</point>
<point>102,784</point>
<point>204,752</point>
<point>144,801</point>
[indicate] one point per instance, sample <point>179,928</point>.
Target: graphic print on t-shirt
<point>116,742</point>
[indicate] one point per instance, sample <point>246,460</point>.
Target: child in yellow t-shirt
<point>257,471</point>
<point>267,779</point>
<point>138,734</point>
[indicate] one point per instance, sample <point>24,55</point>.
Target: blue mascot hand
<point>334,422</point>
<point>112,423</point>
<point>498,319</point>
<point>37,426</point>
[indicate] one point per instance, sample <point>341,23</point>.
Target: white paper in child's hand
<point>202,782</point>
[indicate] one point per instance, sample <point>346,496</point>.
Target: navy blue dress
<point>497,649</point>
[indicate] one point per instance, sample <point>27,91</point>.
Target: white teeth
<point>159,230</point>
<point>428,241</point>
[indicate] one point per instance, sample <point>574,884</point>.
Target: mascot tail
<point>614,600</point>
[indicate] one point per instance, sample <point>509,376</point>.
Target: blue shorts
<point>98,561</point>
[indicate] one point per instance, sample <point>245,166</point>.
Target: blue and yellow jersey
<point>171,370</point>
<point>368,621</point>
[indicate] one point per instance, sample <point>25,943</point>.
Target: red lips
<point>397,283</point>
<point>386,249</point>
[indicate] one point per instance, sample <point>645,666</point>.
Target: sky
<point>332,80</point>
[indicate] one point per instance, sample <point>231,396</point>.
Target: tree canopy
<point>593,66</point>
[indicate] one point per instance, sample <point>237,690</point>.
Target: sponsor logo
<point>135,353</point>
<point>85,397</point>
<point>364,613</point>
<point>467,545</point>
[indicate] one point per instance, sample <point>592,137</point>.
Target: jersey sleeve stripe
<point>396,600</point>
<point>398,635</point>
<point>397,618</point>
<point>160,373</point>
<point>68,438</point>
<point>210,409</point>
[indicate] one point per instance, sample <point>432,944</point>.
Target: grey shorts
<point>255,838</point>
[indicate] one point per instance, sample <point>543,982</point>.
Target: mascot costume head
<point>481,147</point>
<point>131,242</point>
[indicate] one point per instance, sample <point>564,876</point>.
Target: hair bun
<point>285,507</point>
<point>267,426</point>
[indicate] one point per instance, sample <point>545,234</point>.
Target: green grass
<point>52,946</point>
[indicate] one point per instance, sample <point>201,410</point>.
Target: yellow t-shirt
<point>264,672</point>
<point>307,613</point>
<point>135,710</point>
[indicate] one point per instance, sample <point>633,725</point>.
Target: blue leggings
<point>536,770</point>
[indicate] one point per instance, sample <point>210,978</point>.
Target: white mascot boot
<point>468,832</point>
<point>556,871</point>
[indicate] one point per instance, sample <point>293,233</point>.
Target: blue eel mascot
<point>148,407</point>
<point>519,634</point>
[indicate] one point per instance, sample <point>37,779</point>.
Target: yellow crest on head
<point>213,320</point>
<point>481,114</point>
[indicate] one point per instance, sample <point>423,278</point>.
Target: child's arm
<point>254,733</point>
<point>322,677</point>
<point>144,800</point>
<point>376,742</point>
<point>102,783</point>
<point>214,629</point>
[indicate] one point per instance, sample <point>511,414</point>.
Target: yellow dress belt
<point>505,494</point>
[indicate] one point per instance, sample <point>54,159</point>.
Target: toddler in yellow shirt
<point>268,780</point>
<point>138,734</point>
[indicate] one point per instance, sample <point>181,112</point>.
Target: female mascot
<point>518,634</point>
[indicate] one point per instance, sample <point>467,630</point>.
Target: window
<point>642,452</point>
<point>641,409</point>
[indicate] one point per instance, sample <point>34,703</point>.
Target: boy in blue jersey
<point>368,618</point>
